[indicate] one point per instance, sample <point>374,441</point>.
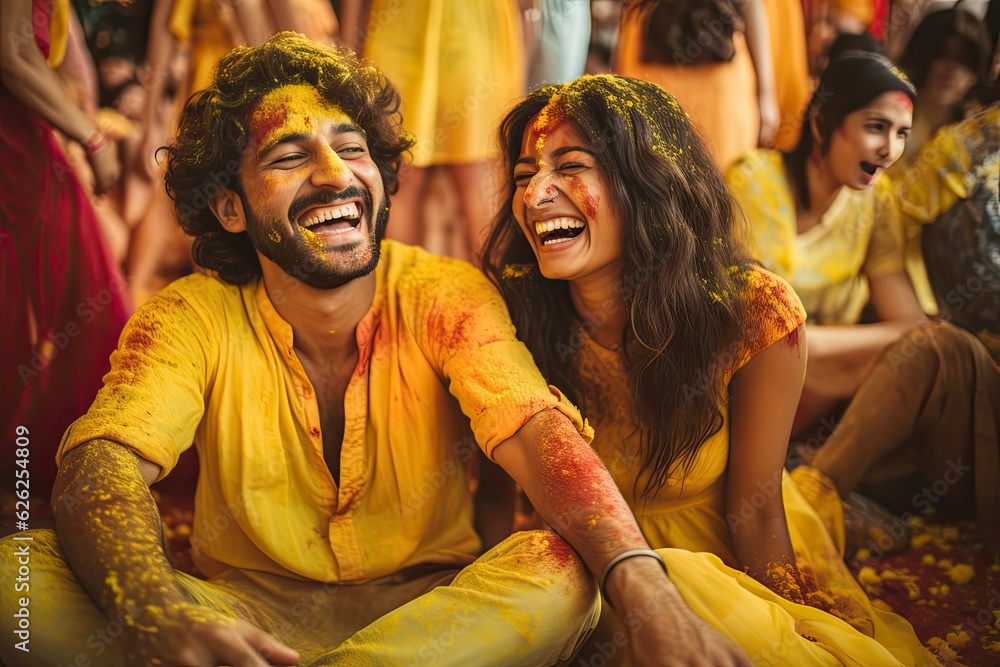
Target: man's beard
<point>321,268</point>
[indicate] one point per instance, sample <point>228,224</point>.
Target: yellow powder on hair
<point>512,271</point>
<point>291,109</point>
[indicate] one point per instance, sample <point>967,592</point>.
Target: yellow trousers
<point>515,605</point>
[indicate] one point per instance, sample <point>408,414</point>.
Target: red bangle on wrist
<point>96,142</point>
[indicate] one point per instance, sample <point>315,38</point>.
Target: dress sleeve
<point>462,325</point>
<point>886,247</point>
<point>774,311</point>
<point>153,398</point>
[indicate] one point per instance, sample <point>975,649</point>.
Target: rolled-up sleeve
<point>153,397</point>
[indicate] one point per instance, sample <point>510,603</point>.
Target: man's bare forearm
<point>109,529</point>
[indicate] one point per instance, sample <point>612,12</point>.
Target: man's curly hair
<point>214,130</point>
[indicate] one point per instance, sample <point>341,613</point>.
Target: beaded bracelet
<point>95,142</point>
<point>625,555</point>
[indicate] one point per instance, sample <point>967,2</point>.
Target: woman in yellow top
<point>617,257</point>
<point>458,66</point>
<point>824,219</point>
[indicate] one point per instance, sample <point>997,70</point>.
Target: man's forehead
<point>292,109</point>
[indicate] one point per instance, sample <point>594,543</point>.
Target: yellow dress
<point>791,68</point>
<point>198,23</point>
<point>859,236</point>
<point>708,92</point>
<point>688,518</point>
<point>458,65</point>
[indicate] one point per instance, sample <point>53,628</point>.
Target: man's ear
<point>228,208</point>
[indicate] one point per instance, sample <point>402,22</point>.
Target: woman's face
<point>562,202</point>
<point>869,140</point>
<point>948,82</point>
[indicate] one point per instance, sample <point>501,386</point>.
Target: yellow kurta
<point>860,236</point>
<point>213,364</point>
<point>689,515</point>
<point>458,66</point>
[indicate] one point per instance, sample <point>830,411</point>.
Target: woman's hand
<point>770,121</point>
<point>106,167</point>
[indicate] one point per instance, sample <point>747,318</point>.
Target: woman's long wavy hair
<point>214,130</point>
<point>683,280</point>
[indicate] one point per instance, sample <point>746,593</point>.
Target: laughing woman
<point>824,218</point>
<point>617,257</point>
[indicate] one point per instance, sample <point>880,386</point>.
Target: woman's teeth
<point>558,223</point>
<point>559,230</point>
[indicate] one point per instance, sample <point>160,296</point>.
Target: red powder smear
<point>576,482</point>
<point>548,120</point>
<point>452,336</point>
<point>902,99</point>
<point>792,339</point>
<point>590,201</point>
<point>314,432</point>
<point>560,551</point>
<point>265,124</point>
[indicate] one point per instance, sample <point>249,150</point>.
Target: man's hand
<point>191,635</point>
<point>662,629</point>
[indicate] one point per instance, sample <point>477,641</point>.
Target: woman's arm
<point>764,394</point>
<point>894,299</point>
<point>28,77</point>
<point>759,45</point>
<point>353,23</point>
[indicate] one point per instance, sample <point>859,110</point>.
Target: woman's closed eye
<point>522,179</point>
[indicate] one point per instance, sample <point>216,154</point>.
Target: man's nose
<point>330,169</point>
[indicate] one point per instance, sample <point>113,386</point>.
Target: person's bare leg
<point>405,217</point>
<point>478,199</point>
<point>441,213</point>
<point>147,248</point>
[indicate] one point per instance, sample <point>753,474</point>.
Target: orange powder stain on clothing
<point>449,332</point>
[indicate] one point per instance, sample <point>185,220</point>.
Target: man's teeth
<point>348,211</point>
<point>558,223</point>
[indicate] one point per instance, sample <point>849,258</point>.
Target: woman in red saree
<point>63,298</point>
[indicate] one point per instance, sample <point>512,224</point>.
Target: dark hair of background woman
<point>848,84</point>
